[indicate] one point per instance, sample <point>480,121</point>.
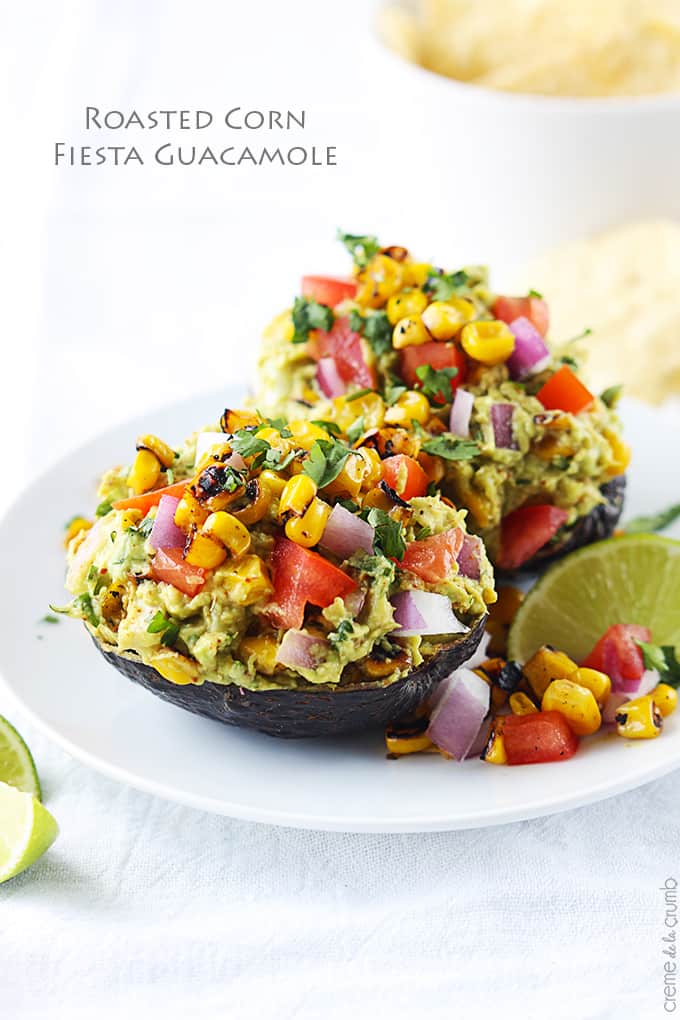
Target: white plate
<point>346,784</point>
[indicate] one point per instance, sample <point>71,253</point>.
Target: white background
<point>124,288</point>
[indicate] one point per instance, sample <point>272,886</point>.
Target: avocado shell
<point>598,524</point>
<point>310,710</point>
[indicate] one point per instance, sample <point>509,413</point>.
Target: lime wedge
<point>27,829</point>
<point>632,579</point>
<point>16,762</point>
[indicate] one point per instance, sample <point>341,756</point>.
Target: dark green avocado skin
<point>307,711</point>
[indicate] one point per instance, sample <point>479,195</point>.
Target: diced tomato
<point>564,391</point>
<point>619,656</point>
<point>434,558</point>
<point>153,498</point>
<point>535,309</point>
<point>348,350</point>
<point>328,290</point>
<point>301,576</point>
<point>525,531</point>
<point>170,566</point>
<point>539,737</point>
<point>438,355</point>
<point>405,476</point>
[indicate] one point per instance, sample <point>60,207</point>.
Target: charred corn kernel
<point>297,494</point>
<point>372,467</point>
<point>305,434</point>
<point>521,704</point>
<point>491,343</point>
<point>272,481</point>
<point>577,704</point>
<point>258,506</point>
<point>410,406</point>
<point>176,668</point>
<point>228,530</point>
<point>130,518</point>
<point>308,529</point>
<point>407,302</point>
<point>494,752</point>
<point>262,650</point>
<point>275,439</point>
<point>246,581</point>
<point>376,497</point>
<point>145,472</point>
<point>189,511</point>
<point>381,278</point>
<point>369,406</point>
<point>165,454</point>
<point>546,665</point>
<point>416,273</point>
<point>639,719</point>
<point>434,467</point>
<point>280,328</point>
<point>205,552</point>
<point>349,481</point>
<point>399,744</point>
<point>409,332</point>
<point>598,683</point>
<point>509,601</point>
<point>621,454</point>
<point>232,421</point>
<point>445,319</point>
<point>75,527</point>
<point>112,604</point>
<point>665,698</point>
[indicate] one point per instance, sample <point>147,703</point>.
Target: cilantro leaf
<point>343,631</point>
<point>362,247</point>
<point>392,393</point>
<point>535,293</point>
<point>443,286</point>
<point>450,447</point>
<point>654,522</point>
<point>664,659</point>
<point>248,444</point>
<point>611,395</point>
<point>84,604</point>
<point>378,332</point>
<point>164,626</point>
<point>389,534</point>
<point>307,315</point>
<point>422,533</point>
<point>49,618</point>
<point>356,429</point>
<point>359,393</point>
<point>329,426</point>
<point>436,383</point>
<point>325,461</point>
<point>103,509</point>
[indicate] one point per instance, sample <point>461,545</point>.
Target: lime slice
<point>16,762</point>
<point>632,579</point>
<point>27,829</point>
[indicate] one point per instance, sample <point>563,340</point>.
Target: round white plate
<point>345,784</point>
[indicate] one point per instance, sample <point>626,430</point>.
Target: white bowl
<point>511,174</point>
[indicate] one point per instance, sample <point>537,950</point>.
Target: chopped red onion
<point>329,379</point>
<point>345,533</point>
<point>501,420</point>
<point>468,557</point>
<point>531,354</point>
<point>462,705</point>
<point>461,409</point>
<point>647,682</point>
<point>424,612</point>
<point>299,650</point>
<point>165,534</point>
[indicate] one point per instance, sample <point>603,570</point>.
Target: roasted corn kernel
<point>232,421</point>
<point>262,650</point>
<point>399,744</point>
<point>350,479</point>
<point>494,752</point>
<point>274,482</point>
<point>246,580</point>
<point>205,552</point>
<point>639,719</point>
<point>165,454</point>
<point>407,302</point>
<point>598,683</point>
<point>130,518</point>
<point>308,529</point>
<point>112,604</point>
<point>305,433</point>
<point>521,704</point>
<point>416,273</point>
<point>259,503</point>
<point>491,343</point>
<point>176,668</point>
<point>297,495</point>
<point>372,467</point>
<point>410,406</point>
<point>228,530</point>
<point>621,453</point>
<point>445,319</point>
<point>190,512</point>
<point>665,698</point>
<point>75,527</point>
<point>145,472</point>
<point>409,332</point>
<point>376,497</point>
<point>577,704</point>
<point>379,280</point>
<point>546,665</point>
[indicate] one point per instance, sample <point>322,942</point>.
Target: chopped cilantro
<point>389,534</point>
<point>664,659</point>
<point>247,444</point>
<point>329,426</point>
<point>359,393</point>
<point>362,247</point>
<point>393,391</point>
<point>144,527</point>
<point>436,383</point>
<point>611,395</point>
<point>162,625</point>
<point>103,509</point>
<point>579,336</point>
<point>49,618</point>
<point>356,429</point>
<point>450,447</point>
<point>422,533</point>
<point>443,286</point>
<point>567,359</point>
<point>307,315</point>
<point>350,505</point>
<point>83,603</point>
<point>280,424</point>
<point>654,522</point>
<point>378,332</point>
<point>343,630</point>
<point>325,461</point>
<point>536,294</point>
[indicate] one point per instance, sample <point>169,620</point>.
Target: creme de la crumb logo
<point>669,940</point>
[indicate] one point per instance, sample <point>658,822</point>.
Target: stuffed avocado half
<point>266,574</point>
<point>405,357</point>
